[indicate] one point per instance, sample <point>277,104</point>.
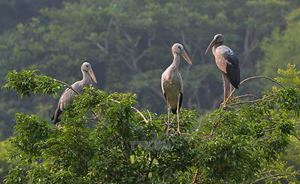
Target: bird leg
<point>177,113</point>
<point>224,88</point>
<point>168,123</point>
<point>230,89</point>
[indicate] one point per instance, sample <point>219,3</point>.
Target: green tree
<point>282,47</point>
<point>101,139</point>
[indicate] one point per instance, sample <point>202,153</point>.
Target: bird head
<point>177,48</point>
<point>218,39</point>
<point>87,68</point>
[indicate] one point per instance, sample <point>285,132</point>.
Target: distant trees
<point>282,47</point>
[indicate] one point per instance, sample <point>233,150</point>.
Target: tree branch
<point>252,78</point>
<point>66,85</point>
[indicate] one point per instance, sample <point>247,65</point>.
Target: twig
<point>275,175</point>
<point>139,112</point>
<point>150,117</point>
<point>252,78</point>
<point>149,168</point>
<point>251,101</point>
<point>298,138</point>
<point>247,95</point>
<point>195,177</point>
<point>66,85</point>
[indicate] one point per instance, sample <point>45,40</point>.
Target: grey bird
<point>227,63</point>
<point>88,77</point>
<point>172,85</point>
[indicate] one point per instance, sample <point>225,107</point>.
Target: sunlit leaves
<point>26,82</point>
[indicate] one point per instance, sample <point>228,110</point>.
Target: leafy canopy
<point>100,139</point>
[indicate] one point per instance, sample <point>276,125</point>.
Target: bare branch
<point>252,78</point>
<point>195,177</point>
<point>66,85</point>
<point>136,110</point>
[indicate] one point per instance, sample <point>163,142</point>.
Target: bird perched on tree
<point>88,77</point>
<point>226,61</point>
<point>172,85</point>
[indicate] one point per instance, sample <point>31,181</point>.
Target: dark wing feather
<point>56,115</point>
<point>232,69</point>
<point>174,111</point>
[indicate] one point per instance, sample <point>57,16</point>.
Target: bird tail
<point>174,111</point>
<point>55,116</point>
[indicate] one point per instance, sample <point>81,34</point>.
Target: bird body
<point>88,77</point>
<point>171,83</point>
<point>226,61</point>
<point>228,64</point>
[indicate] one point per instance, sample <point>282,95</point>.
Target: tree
<point>282,47</point>
<point>100,139</point>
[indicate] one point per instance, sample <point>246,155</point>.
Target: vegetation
<point>102,138</point>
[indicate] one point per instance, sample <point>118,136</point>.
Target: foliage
<point>28,81</point>
<point>100,139</point>
<point>282,47</point>
<point>4,146</point>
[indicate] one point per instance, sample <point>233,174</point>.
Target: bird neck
<point>216,46</point>
<point>176,60</point>
<point>86,79</point>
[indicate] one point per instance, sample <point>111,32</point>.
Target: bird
<point>227,62</point>
<point>88,77</point>
<point>172,85</point>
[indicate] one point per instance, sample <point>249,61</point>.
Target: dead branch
<point>136,110</point>
<point>66,85</point>
<point>252,78</point>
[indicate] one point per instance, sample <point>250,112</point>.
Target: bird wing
<point>68,95</point>
<point>162,80</point>
<point>221,61</point>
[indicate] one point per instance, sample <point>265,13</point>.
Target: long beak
<point>92,75</point>
<point>210,45</point>
<point>186,57</point>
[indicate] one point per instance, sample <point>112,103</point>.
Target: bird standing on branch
<point>172,85</point>
<point>88,77</point>
<point>227,63</point>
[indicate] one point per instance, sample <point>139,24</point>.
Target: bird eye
<point>179,47</point>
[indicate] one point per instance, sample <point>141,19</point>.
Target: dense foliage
<point>101,139</point>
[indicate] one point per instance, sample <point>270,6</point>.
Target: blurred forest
<point>128,43</point>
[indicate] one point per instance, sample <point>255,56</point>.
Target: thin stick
<point>251,101</point>
<point>272,176</point>
<point>252,78</point>
<point>66,85</point>
<point>247,95</point>
<point>195,177</point>
<point>139,112</point>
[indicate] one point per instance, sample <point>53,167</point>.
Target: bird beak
<point>92,75</point>
<point>210,45</point>
<point>186,57</point>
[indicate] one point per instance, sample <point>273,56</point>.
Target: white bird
<point>88,77</point>
<point>172,85</point>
